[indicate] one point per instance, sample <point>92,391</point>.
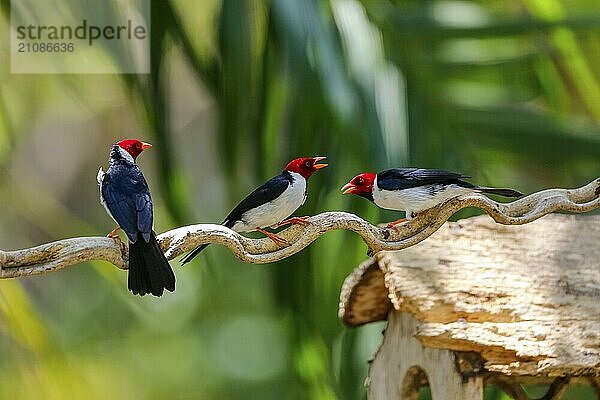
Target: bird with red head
<point>272,203</point>
<point>126,197</point>
<point>414,190</point>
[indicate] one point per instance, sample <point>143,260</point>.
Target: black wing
<point>271,190</point>
<point>127,197</point>
<point>406,178</point>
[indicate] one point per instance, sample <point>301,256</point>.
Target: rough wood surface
<point>365,294</point>
<point>57,255</point>
<point>526,298</point>
<point>403,364</point>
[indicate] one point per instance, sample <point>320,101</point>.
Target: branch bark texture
<point>60,254</point>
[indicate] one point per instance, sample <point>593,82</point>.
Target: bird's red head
<point>305,166</point>
<point>133,146</point>
<point>361,184</point>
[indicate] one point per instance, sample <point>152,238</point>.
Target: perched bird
<point>270,204</point>
<point>414,190</point>
<point>126,197</point>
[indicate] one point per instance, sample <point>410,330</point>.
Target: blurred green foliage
<point>507,92</point>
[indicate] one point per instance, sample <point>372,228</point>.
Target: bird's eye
<point>307,164</point>
<point>137,145</point>
<point>360,181</point>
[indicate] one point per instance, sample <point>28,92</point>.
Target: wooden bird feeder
<point>481,303</point>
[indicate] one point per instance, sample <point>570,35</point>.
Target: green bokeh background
<point>505,91</point>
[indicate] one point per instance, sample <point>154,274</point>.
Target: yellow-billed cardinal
<point>414,189</point>
<point>270,204</point>
<point>126,197</point>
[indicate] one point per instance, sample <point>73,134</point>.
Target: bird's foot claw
<point>280,241</point>
<point>277,239</point>
<point>114,233</point>
<point>295,221</point>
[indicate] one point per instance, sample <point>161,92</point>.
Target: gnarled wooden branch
<point>63,253</point>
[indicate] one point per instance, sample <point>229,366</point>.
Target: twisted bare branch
<point>57,255</point>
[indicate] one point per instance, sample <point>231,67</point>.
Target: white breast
<point>277,210</point>
<point>417,199</point>
<point>99,179</point>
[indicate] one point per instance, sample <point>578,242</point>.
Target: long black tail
<point>193,254</point>
<point>189,256</point>
<point>149,270</point>
<point>501,192</point>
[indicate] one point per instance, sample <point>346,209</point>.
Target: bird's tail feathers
<point>193,254</point>
<point>500,191</point>
<point>189,256</point>
<point>149,270</point>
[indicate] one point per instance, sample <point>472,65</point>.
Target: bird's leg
<point>295,221</point>
<point>392,225</point>
<point>277,239</point>
<point>113,234</point>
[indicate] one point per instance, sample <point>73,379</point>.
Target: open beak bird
<point>270,204</point>
<point>414,190</point>
<point>126,197</point>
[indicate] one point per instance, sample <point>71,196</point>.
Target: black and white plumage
<point>415,189</point>
<point>271,203</point>
<point>126,197</point>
